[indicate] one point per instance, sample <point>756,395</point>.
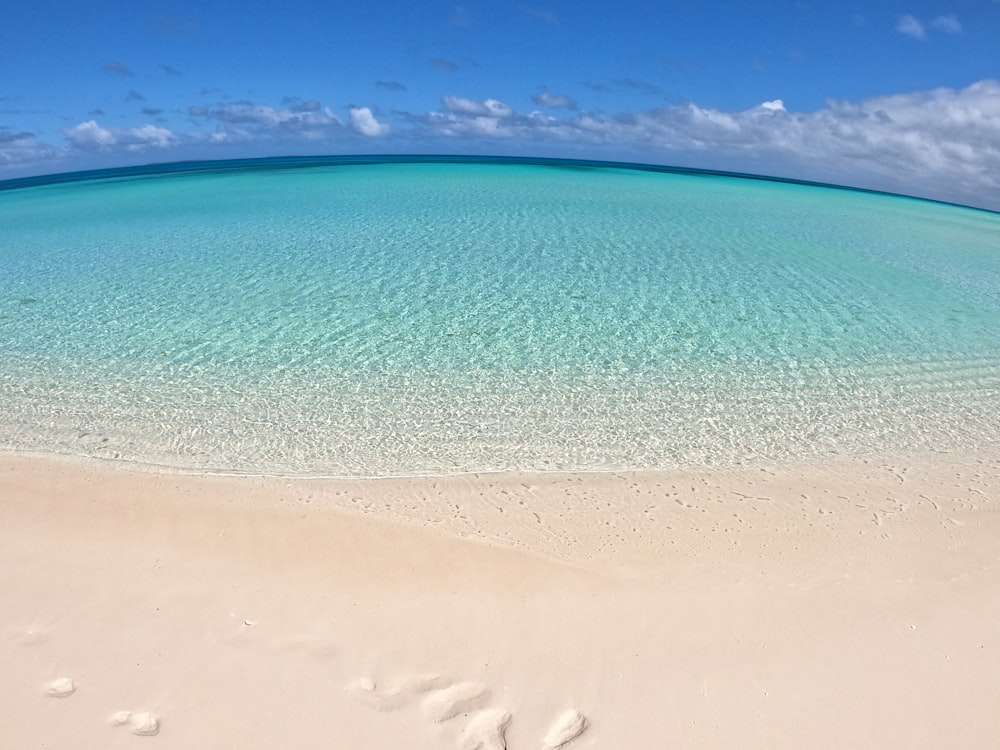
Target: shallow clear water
<point>400,318</point>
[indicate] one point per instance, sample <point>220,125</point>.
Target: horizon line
<point>210,166</point>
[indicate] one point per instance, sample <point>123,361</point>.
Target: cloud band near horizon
<point>942,143</point>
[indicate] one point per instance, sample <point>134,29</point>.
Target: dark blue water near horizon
<point>156,169</point>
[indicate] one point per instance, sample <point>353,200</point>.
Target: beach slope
<point>849,604</point>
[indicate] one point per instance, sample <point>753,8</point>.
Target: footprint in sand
<point>449,702</point>
<point>486,727</point>
<point>392,699</point>
<point>60,688</point>
<point>143,723</point>
<point>485,731</point>
<point>568,726</point>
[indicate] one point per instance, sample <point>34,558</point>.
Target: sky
<point>891,95</point>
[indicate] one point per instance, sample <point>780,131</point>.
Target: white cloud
<point>488,108</point>
<point>948,24</point>
<point>21,148</point>
<point>491,118</point>
<point>489,126</point>
<point>273,117</point>
<point>363,121</point>
<point>943,142</point>
<point>910,26</point>
<point>497,108</point>
<point>460,106</point>
<point>244,122</point>
<point>236,123</point>
<point>149,135</point>
<point>89,135</point>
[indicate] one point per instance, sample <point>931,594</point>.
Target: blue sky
<point>903,96</point>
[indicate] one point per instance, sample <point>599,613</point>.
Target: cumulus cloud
<point>244,113</point>
<point>934,138</point>
<point>461,106</point>
<point>553,101</point>
<point>246,122</point>
<point>138,138</point>
<point>490,118</point>
<point>22,147</point>
<point>89,136</point>
<point>951,134</point>
<point>364,122</point>
<point>911,27</point>
<point>487,108</point>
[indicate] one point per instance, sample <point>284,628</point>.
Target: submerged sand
<point>853,604</point>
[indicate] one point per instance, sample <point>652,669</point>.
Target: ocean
<point>390,316</point>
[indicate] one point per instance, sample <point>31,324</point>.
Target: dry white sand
<point>850,605</point>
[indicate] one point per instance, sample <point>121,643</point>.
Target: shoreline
<point>848,494</point>
<point>850,603</point>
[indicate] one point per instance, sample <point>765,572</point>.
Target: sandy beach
<point>853,604</point>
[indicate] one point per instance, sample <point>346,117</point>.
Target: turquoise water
<point>407,318</point>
